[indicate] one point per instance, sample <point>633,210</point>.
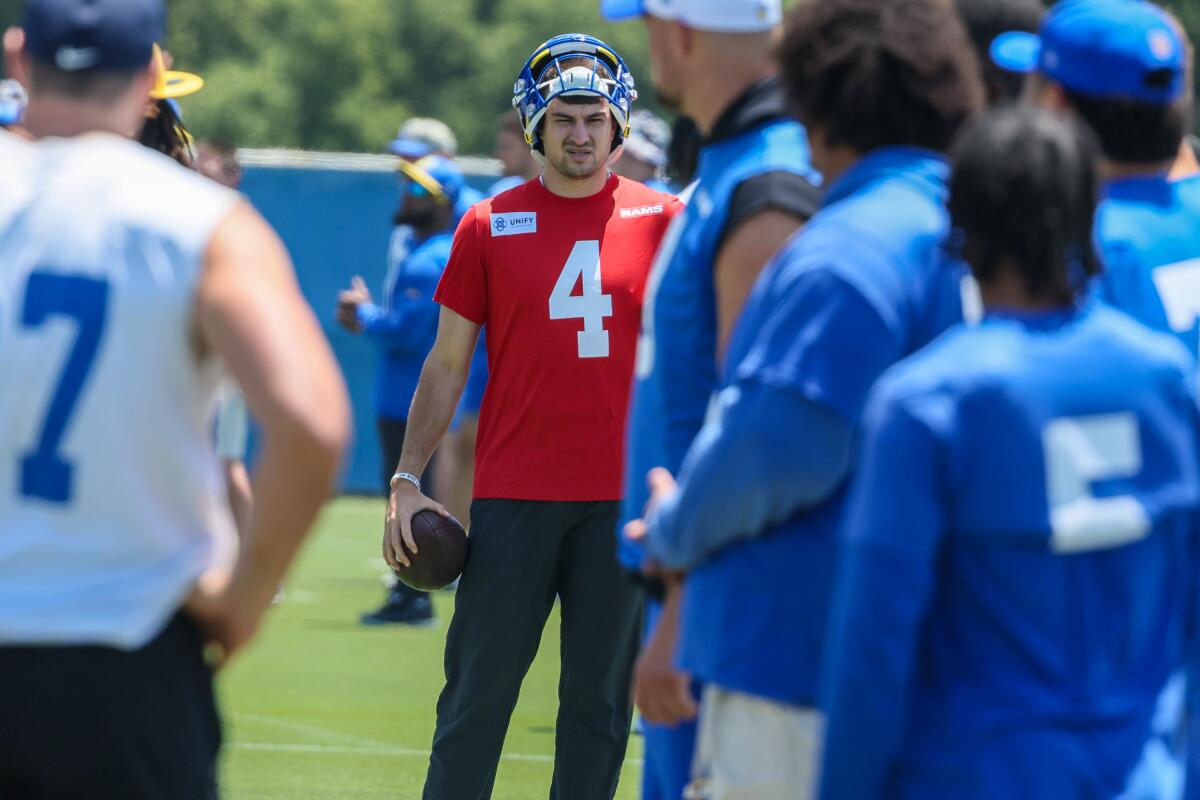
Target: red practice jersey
<point>558,283</point>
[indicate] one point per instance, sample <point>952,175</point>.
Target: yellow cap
<point>169,83</point>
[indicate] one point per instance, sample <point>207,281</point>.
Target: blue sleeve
<point>782,441</point>
<point>815,332</point>
<point>890,539</point>
<point>748,469</point>
<point>413,311</point>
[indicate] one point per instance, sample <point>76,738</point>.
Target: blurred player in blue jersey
<point>404,327</point>
<point>1120,65</point>
<point>424,136</point>
<point>128,287</point>
<point>645,154</point>
<point>881,88</point>
<point>754,188</point>
<point>418,138</point>
<point>517,162</point>
<point>1020,568</point>
<point>1124,68</point>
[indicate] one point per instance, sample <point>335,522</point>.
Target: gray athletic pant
<point>524,553</point>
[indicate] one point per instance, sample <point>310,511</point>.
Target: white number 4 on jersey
<point>583,266</point>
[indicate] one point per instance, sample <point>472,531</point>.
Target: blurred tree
<point>344,74</point>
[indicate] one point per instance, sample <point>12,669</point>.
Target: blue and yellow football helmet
<point>572,64</point>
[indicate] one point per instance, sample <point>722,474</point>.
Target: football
<point>441,552</point>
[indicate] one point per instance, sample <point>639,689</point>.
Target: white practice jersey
<point>16,159</point>
<point>111,498</point>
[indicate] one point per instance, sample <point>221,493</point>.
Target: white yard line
<point>385,750</point>
<point>349,744</point>
<point>311,730</point>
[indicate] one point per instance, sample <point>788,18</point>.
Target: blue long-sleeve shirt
<point>761,493</point>
<point>405,329</point>
<point>746,471</point>
<point>1019,573</point>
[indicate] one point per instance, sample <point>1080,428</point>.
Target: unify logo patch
<point>641,211</point>
<point>514,223</point>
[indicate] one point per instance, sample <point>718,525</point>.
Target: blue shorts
<point>668,750</point>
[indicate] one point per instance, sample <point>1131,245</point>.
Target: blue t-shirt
<point>1148,234</point>
<point>676,367</point>
<point>504,184</point>
<point>405,328</point>
<point>467,197</point>
<point>1019,572</point>
<point>477,379</point>
<point>864,284</point>
<point>472,397</point>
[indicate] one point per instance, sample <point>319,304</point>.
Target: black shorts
<point>99,723</point>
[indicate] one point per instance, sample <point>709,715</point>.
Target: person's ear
<point>147,78</point>
<point>16,60</point>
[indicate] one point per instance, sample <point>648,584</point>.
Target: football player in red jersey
<point>555,269</point>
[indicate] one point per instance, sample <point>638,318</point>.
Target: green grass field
<point>320,707</point>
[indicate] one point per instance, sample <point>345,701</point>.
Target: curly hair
<point>872,74</point>
<point>1023,197</point>
<point>163,131</point>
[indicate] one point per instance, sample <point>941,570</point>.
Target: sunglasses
<point>417,182</point>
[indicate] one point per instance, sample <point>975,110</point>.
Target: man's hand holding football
<point>404,502</point>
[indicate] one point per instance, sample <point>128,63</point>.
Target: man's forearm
<point>430,415</point>
<point>768,453</point>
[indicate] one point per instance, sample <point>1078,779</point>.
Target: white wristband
<point>404,476</point>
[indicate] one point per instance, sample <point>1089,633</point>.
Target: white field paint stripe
<point>310,730</point>
<point>270,747</point>
<point>324,748</point>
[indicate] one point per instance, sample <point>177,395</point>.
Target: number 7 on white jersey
<point>583,266</point>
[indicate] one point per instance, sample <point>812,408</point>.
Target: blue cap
<point>1107,49</point>
<point>423,136</point>
<point>409,148</point>
<point>106,35</point>
<point>620,10</point>
<point>434,175</point>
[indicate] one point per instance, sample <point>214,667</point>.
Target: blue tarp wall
<point>337,224</point>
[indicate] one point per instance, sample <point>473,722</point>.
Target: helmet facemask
<point>573,65</point>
